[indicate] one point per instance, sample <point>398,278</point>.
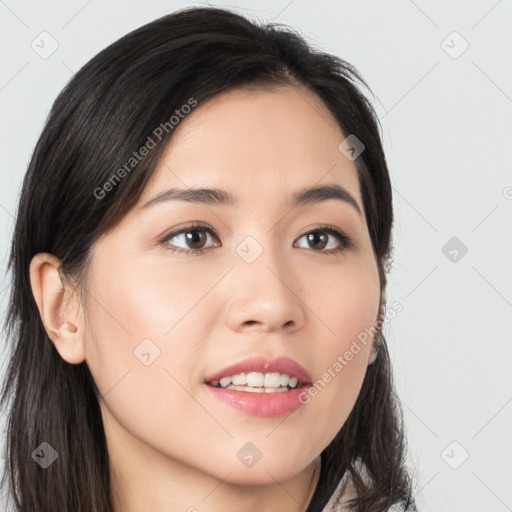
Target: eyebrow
<point>219,197</point>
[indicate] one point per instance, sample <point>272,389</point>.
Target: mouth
<point>261,387</point>
<point>259,375</point>
<point>257,382</point>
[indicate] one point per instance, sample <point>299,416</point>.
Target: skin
<point>172,445</point>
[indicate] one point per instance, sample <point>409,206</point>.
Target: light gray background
<point>447,130</point>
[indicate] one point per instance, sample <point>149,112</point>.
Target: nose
<point>265,295</point>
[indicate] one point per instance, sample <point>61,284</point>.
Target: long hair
<point>104,114</point>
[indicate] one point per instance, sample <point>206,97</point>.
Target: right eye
<point>195,235</point>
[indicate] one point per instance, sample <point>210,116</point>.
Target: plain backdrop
<point>442,78</point>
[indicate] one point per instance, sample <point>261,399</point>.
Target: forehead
<point>273,141</point>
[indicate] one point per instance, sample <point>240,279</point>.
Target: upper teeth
<point>257,379</point>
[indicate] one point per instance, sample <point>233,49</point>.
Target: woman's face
<point>261,277</point>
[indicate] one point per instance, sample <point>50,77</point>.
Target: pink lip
<point>262,404</point>
<point>263,365</point>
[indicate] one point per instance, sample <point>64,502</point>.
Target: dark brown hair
<point>105,113</point>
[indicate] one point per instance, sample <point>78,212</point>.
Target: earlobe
<point>379,339</point>
<point>373,355</point>
<point>375,348</point>
<point>59,310</point>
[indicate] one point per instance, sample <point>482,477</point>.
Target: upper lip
<point>263,365</point>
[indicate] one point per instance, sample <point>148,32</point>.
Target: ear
<point>61,312</point>
<point>373,354</point>
<point>379,337</point>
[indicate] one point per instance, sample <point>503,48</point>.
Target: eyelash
<point>345,241</point>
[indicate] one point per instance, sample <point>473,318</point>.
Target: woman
<point>199,283</point>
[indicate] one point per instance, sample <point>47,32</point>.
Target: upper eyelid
<point>188,229</point>
<point>194,227</point>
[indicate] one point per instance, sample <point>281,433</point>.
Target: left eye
<point>320,237</point>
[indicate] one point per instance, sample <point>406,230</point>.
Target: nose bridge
<point>263,286</point>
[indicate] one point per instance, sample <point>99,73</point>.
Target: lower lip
<point>269,405</point>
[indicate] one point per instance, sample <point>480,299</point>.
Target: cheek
<point>348,304</point>
<point>134,300</point>
<point>142,348</point>
<point>349,310</point>
<point>144,328</point>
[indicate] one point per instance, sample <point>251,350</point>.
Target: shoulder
<point>401,508</point>
<point>345,491</point>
